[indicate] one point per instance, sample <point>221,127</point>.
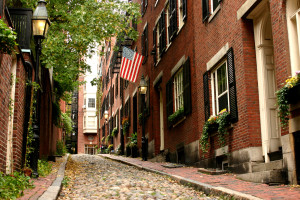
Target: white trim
<point>245,8</point>
<point>127,99</point>
<point>133,94</point>
<point>214,13</point>
<point>156,3</point>
<point>159,76</point>
<point>217,57</point>
<point>145,26</point>
<point>178,65</point>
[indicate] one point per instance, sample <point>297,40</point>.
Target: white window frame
<point>180,15</point>
<point>214,88</point>
<point>212,9</point>
<point>167,11</point>
<point>91,103</point>
<point>178,89</point>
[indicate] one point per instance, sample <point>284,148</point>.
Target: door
<point>161,118</point>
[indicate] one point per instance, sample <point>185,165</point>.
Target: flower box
<point>293,95</point>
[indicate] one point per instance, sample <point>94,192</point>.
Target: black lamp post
<point>40,26</point>
<point>143,91</point>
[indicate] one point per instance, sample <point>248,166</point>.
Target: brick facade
<point>245,28</point>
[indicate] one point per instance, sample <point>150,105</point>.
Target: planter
<point>212,128</point>
<point>27,172</point>
<point>128,151</point>
<point>134,151</point>
<point>293,95</point>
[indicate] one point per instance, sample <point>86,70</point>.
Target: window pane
<point>223,102</point>
<point>91,103</point>
<point>222,79</point>
<point>215,4</point>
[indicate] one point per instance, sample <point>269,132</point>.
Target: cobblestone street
<point>92,177</point>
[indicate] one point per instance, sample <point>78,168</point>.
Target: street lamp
<point>40,26</point>
<point>106,115</point>
<point>143,91</point>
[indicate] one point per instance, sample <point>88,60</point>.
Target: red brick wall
<point>5,62</point>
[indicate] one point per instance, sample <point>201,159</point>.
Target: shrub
<point>61,149</point>
<point>44,168</point>
<point>12,186</point>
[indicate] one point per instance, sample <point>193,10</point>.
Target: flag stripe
<point>130,64</point>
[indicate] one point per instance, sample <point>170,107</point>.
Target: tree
<point>76,26</point>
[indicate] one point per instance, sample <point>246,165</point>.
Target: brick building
<point>16,74</point>
<point>202,57</point>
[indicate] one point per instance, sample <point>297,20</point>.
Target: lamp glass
<point>106,114</point>
<point>143,86</point>
<point>40,20</point>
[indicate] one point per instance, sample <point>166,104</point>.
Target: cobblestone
<point>92,177</point>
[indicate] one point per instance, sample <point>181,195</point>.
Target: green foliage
<point>108,138</point>
<point>114,132</point>
<point>44,168</point>
<point>282,102</point>
<point>7,38</point>
<point>77,27</point>
<point>65,181</point>
<point>61,149</point>
<point>67,123</point>
<point>125,125</point>
<point>176,116</point>
<point>12,186</point>
<point>217,123</point>
<point>133,140</point>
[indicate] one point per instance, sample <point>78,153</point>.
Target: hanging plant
<point>114,132</point>
<point>176,116</point>
<point>282,98</point>
<point>125,124</point>
<point>7,38</point>
<point>217,124</point>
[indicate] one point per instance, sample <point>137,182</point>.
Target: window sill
<point>214,13</point>
<point>179,122</point>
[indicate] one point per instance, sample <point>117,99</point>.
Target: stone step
<point>273,165</point>
<point>270,177</point>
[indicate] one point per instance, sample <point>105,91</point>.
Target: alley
<point>92,177</point>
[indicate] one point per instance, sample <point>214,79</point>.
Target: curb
<point>52,192</point>
<point>206,188</point>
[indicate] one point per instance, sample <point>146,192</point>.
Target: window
<point>91,103</point>
<point>117,86</point>
<point>145,44</point>
<point>178,90</point>
<point>223,88</point>
<point>90,149</point>
<point>219,85</point>
<point>209,8</point>
<point>144,4</point>
<point>172,19</point>
<point>91,121</point>
<point>214,4</point>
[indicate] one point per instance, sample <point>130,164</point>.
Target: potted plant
<point>288,94</point>
<point>133,145</point>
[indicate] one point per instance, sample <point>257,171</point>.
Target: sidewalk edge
<point>53,191</point>
<point>206,188</point>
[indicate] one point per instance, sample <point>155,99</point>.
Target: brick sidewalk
<point>42,183</point>
<point>222,182</point>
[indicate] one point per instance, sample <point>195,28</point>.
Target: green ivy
<point>217,123</point>
<point>133,140</point>
<point>44,168</point>
<point>61,149</point>
<point>176,116</point>
<point>7,38</point>
<point>114,132</point>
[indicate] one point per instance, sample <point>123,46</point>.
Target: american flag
<point>130,64</point>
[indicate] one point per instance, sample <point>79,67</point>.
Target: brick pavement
<point>42,183</point>
<point>227,181</point>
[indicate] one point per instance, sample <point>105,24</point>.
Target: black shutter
<point>121,88</point>
<point>143,43</point>
<point>162,36</point>
<point>206,96</point>
<point>187,87</point>
<point>148,98</point>
<point>146,42</point>
<point>142,7</point>
<point>232,86</point>
<point>184,9</point>
<point>154,44</point>
<point>173,19</point>
<point>169,98</point>
<point>205,11</point>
